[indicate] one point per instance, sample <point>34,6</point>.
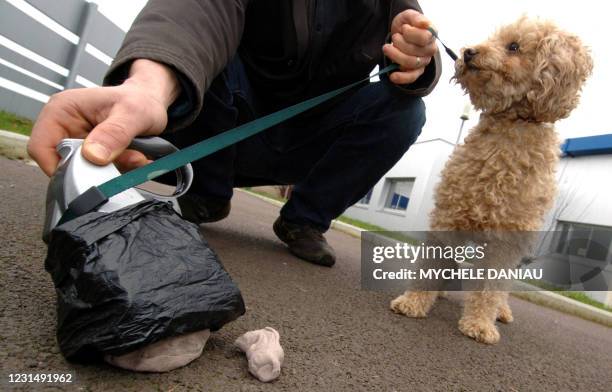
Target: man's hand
<point>107,117</point>
<point>412,46</point>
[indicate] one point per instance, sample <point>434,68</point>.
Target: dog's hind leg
<point>504,313</point>
<point>479,314</point>
<point>414,303</point>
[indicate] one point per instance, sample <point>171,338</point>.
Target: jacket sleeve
<point>197,38</point>
<point>426,83</point>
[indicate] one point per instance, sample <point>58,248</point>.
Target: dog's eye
<point>513,47</point>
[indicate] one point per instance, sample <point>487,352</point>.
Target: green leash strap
<point>96,196</point>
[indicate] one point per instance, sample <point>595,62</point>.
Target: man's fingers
<point>416,36</point>
<point>406,77</point>
<point>130,159</point>
<point>412,49</point>
<point>46,157</point>
<point>39,149</point>
<point>409,17</point>
<point>50,127</point>
<point>406,62</point>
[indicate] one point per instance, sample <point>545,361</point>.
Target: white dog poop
<point>263,351</point>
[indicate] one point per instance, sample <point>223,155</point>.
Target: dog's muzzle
<point>469,54</point>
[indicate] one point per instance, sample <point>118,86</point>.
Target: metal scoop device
<point>75,175</point>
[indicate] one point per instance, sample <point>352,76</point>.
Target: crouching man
<point>189,70</point>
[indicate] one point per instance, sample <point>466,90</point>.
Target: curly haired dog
<point>525,77</point>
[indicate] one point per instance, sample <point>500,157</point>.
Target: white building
<point>403,198</point>
<point>582,216</point>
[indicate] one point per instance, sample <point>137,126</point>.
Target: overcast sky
<point>466,22</point>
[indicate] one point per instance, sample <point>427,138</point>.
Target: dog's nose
<point>469,54</point>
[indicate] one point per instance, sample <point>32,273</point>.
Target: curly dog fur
<point>525,77</point>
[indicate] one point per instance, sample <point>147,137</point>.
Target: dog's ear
<point>561,66</point>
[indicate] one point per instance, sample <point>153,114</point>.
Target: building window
<point>366,199</point>
<point>398,194</point>
<point>577,239</point>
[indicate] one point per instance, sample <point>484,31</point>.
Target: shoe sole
<point>326,261</point>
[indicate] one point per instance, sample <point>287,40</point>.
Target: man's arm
<point>432,71</point>
<point>195,38</point>
<point>180,47</point>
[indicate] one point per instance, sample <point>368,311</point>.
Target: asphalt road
<point>336,336</point>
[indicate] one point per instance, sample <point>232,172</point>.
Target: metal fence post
<point>89,11</point>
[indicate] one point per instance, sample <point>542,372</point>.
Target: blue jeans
<point>333,157</point>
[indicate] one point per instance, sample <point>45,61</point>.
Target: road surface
<point>336,336</point>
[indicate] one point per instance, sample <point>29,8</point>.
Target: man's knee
<point>403,117</point>
<point>410,122</point>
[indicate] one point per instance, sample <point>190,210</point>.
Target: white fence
<point>40,61</point>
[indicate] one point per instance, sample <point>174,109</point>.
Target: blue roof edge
<point>588,145</point>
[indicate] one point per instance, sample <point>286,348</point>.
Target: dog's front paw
<point>413,304</point>
<point>479,330</point>
<point>505,314</point>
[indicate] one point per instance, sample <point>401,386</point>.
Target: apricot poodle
<point>525,77</point>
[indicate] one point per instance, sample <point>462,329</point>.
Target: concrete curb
<point>14,146</point>
<point>528,292</point>
<point>336,224</point>
<point>563,304</point>
<point>264,198</point>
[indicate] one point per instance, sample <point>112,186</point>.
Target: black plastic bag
<point>133,277</point>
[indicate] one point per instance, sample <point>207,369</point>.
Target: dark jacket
<point>291,49</point>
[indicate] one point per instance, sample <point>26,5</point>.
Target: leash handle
<point>154,148</point>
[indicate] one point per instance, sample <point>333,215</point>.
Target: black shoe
<point>305,242</point>
<point>200,209</point>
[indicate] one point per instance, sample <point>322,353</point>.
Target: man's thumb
<point>106,141</point>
